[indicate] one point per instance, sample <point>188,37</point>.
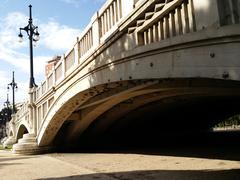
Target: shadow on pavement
<point>217,145</point>
<point>232,174</point>
<point>4,158</point>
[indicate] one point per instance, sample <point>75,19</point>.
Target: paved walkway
<point>115,166</point>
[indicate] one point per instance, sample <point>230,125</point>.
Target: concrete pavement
<point>112,166</point>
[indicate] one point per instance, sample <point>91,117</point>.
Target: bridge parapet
<point>22,117</point>
<point>168,20</point>
<point>151,21</point>
<point>17,120</point>
<point>101,26</point>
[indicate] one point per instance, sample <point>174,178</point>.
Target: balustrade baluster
<point>172,24</point>
<point>102,26</point>
<point>115,11</point>
<point>145,38</point>
<point>150,35</point>
<point>118,10</point>
<point>192,22</point>
<point>155,33</point>
<point>180,26</point>
<point>108,19</point>
<point>161,29</point>
<point>186,15</point>
<point>166,27</point>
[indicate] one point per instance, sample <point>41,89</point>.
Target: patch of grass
<point>7,148</point>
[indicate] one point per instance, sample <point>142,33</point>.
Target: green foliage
<point>5,114</point>
<point>7,148</point>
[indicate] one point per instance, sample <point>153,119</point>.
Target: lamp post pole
<point>6,104</point>
<point>13,85</point>
<point>32,32</point>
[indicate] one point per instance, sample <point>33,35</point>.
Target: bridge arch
<point>21,131</point>
<point>206,105</point>
<point>86,109</point>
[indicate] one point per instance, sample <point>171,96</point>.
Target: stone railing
<point>69,61</point>
<point>21,115</point>
<point>109,16</point>
<point>101,26</point>
<point>86,42</point>
<point>168,20</point>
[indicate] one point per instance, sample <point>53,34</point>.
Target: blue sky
<point>59,22</point>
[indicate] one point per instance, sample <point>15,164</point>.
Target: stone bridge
<point>140,68</point>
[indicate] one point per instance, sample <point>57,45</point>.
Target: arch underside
<point>21,131</point>
<point>149,109</point>
<point>11,133</point>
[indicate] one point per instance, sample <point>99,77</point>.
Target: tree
<point>5,115</point>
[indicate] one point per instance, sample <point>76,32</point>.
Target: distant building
<point>50,64</point>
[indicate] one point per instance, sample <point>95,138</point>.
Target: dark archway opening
<point>178,120</point>
<point>22,130</point>
<point>175,121</point>
<point>162,127</point>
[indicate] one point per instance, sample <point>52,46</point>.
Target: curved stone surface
<point>28,145</point>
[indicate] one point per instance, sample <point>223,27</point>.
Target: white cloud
<point>70,1</point>
<point>77,3</point>
<point>21,61</point>
<point>9,27</point>
<point>4,79</point>
<point>58,37</point>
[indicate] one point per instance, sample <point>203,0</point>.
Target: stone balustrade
<point>109,16</point>
<point>97,31</point>
<point>168,20</point>
<point>22,113</point>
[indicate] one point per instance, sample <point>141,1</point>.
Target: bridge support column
<point>28,145</point>
<point>11,137</point>
<point>32,111</point>
<point>9,141</point>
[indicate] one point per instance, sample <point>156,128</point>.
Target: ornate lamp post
<point>13,85</point>
<point>32,32</point>
<point>7,105</point>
